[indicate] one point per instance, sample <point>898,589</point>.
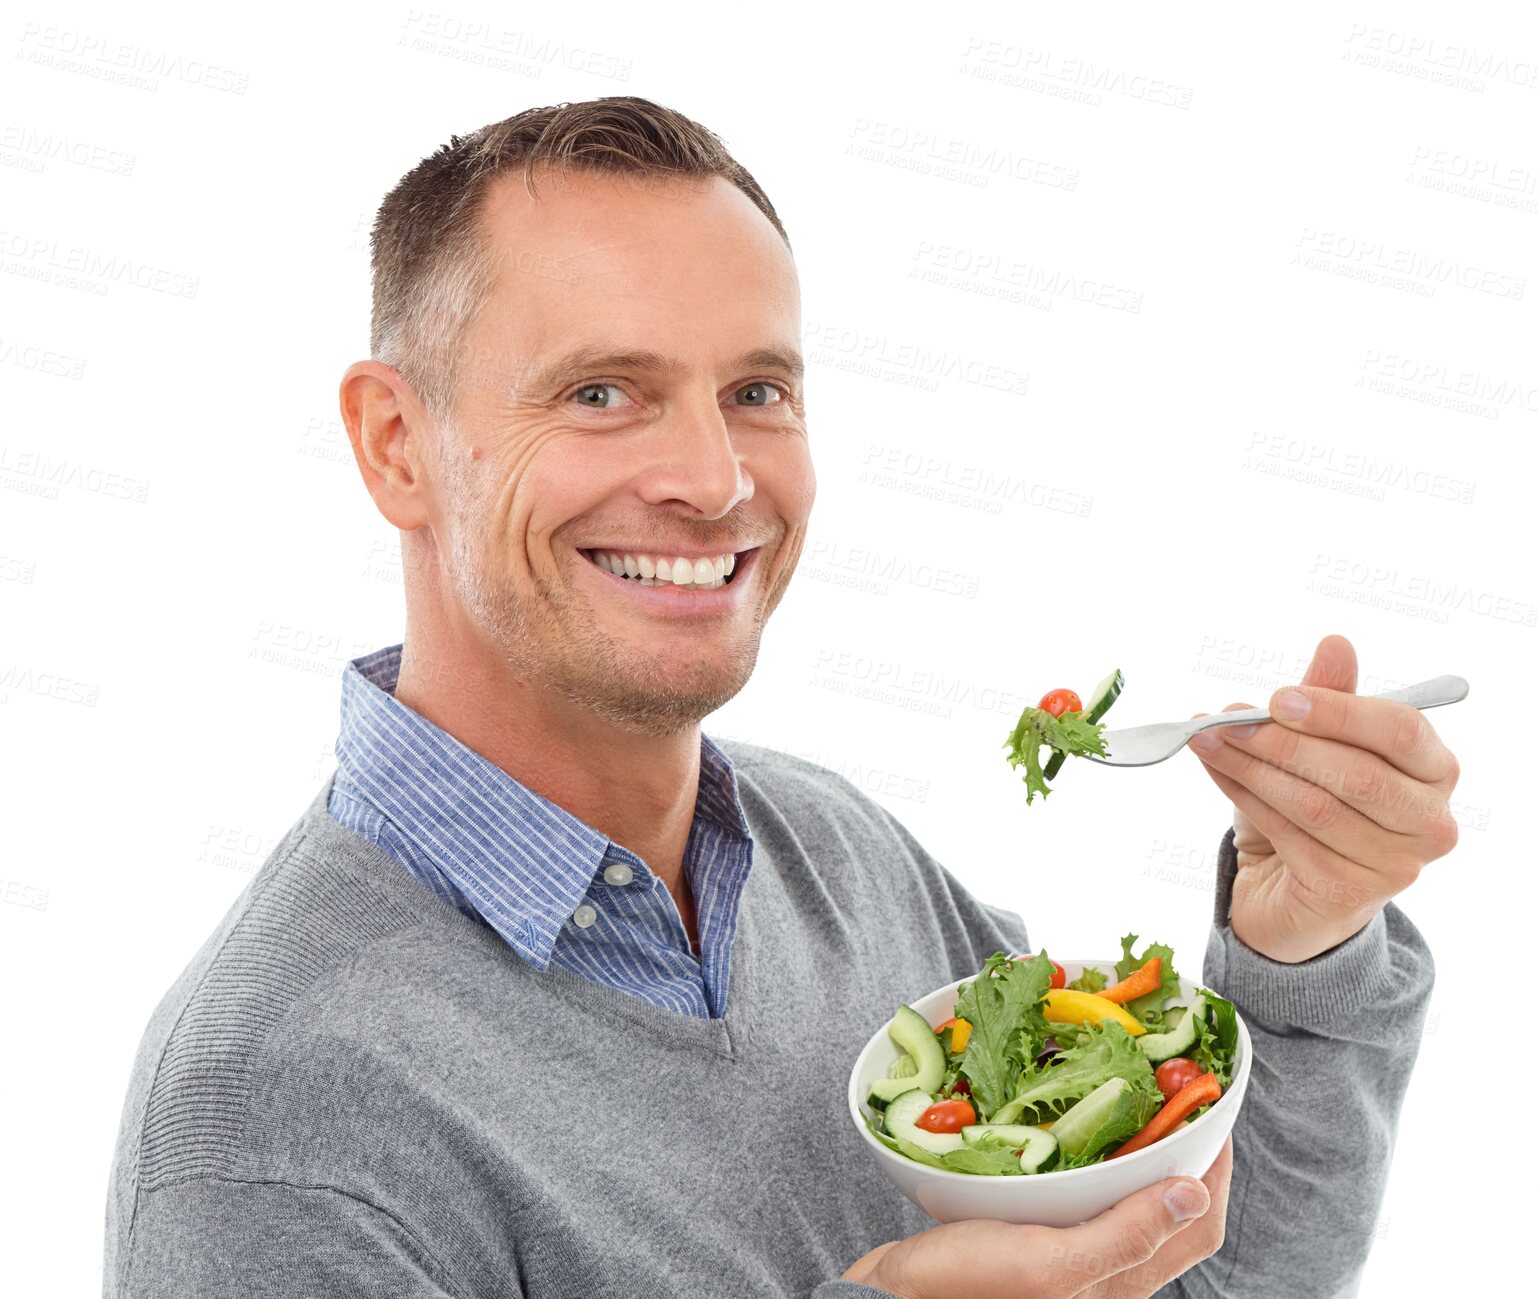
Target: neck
<point>637,789</point>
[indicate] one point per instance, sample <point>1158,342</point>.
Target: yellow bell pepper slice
<point>961,1030</point>
<point>1070,1006</point>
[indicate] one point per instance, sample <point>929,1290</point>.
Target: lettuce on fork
<point>1071,733</point>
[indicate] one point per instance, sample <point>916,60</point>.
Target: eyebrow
<point>594,360</point>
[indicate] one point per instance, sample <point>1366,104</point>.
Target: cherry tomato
<point>947,1116</point>
<point>1174,1074</point>
<point>1059,975</point>
<point>1058,702</point>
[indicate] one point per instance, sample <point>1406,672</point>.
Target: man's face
<point>567,456</point>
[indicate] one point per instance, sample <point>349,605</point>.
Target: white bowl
<point>1061,1199</point>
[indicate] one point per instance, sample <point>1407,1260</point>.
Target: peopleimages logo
<point>969,485</point>
<point>43,257</point>
<point>1457,389</point>
<point>951,157</point>
<point>1006,278</point>
<point>901,361</point>
<point>1415,595</point>
<point>1380,263</point>
<point>1361,473</point>
<point>1068,78</point>
<point>108,59</point>
<point>1463,66</point>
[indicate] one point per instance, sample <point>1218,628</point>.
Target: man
<point>548,994</point>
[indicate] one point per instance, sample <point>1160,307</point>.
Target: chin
<point>642,705</point>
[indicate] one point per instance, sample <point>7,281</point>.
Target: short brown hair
<point>432,268</point>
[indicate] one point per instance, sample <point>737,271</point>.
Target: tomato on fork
<point>1060,701</point>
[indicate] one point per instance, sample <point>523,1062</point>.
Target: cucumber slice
<point>1038,1152</point>
<point>911,1032</point>
<point>1103,696</point>
<point>1176,1040</point>
<point>1110,1113</point>
<point>1014,1133</point>
<point>902,1117</point>
<point>1100,699</point>
<point>1037,1147</point>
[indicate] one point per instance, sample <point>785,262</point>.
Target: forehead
<point>622,254</point>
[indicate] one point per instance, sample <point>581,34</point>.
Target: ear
<point>1333,665</point>
<point>388,428</point>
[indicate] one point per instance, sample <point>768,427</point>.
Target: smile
<point>700,573</point>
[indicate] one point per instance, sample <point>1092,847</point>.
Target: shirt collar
<point>520,861</point>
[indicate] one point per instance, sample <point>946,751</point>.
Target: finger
<point>1207,741</point>
<point>1370,784</point>
<point>1329,885</point>
<point>1396,732</point>
<point>1132,1230</point>
<point>1313,808</point>
<point>1333,665</point>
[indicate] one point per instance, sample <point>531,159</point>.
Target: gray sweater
<point>356,1090</point>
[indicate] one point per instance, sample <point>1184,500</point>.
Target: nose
<point>695,462</point>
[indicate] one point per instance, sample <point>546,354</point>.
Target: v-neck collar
<point>323,838</point>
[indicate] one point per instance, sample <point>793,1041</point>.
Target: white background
<point>1266,283</point>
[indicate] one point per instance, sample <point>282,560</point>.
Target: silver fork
<point>1142,746</point>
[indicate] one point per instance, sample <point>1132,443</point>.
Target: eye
<point>760,394</point>
<point>598,395</point>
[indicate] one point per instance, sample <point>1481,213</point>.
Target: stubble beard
<point>552,642</point>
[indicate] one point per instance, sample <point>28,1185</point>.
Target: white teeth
<point>648,570</point>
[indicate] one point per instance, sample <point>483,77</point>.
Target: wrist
<point>1295,948</point>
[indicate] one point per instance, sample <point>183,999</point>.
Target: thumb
<point>1131,1231</point>
<point>1333,665</point>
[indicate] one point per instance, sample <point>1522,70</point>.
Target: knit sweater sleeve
<point>221,1238</point>
<point>1335,1039</point>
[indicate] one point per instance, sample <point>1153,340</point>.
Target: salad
<point>1034,1074</point>
<point>1062,723</point>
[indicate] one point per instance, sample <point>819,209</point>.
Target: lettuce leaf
<point>1169,981</point>
<point>1217,1038</point>
<point>1003,999</point>
<point>987,1160</point>
<point>1051,1089</point>
<point>1070,734</point>
<point>1092,980</point>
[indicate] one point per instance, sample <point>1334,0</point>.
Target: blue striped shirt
<point>499,852</point>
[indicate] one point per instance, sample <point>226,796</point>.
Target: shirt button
<point>618,873</point>
<point>583,916</point>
